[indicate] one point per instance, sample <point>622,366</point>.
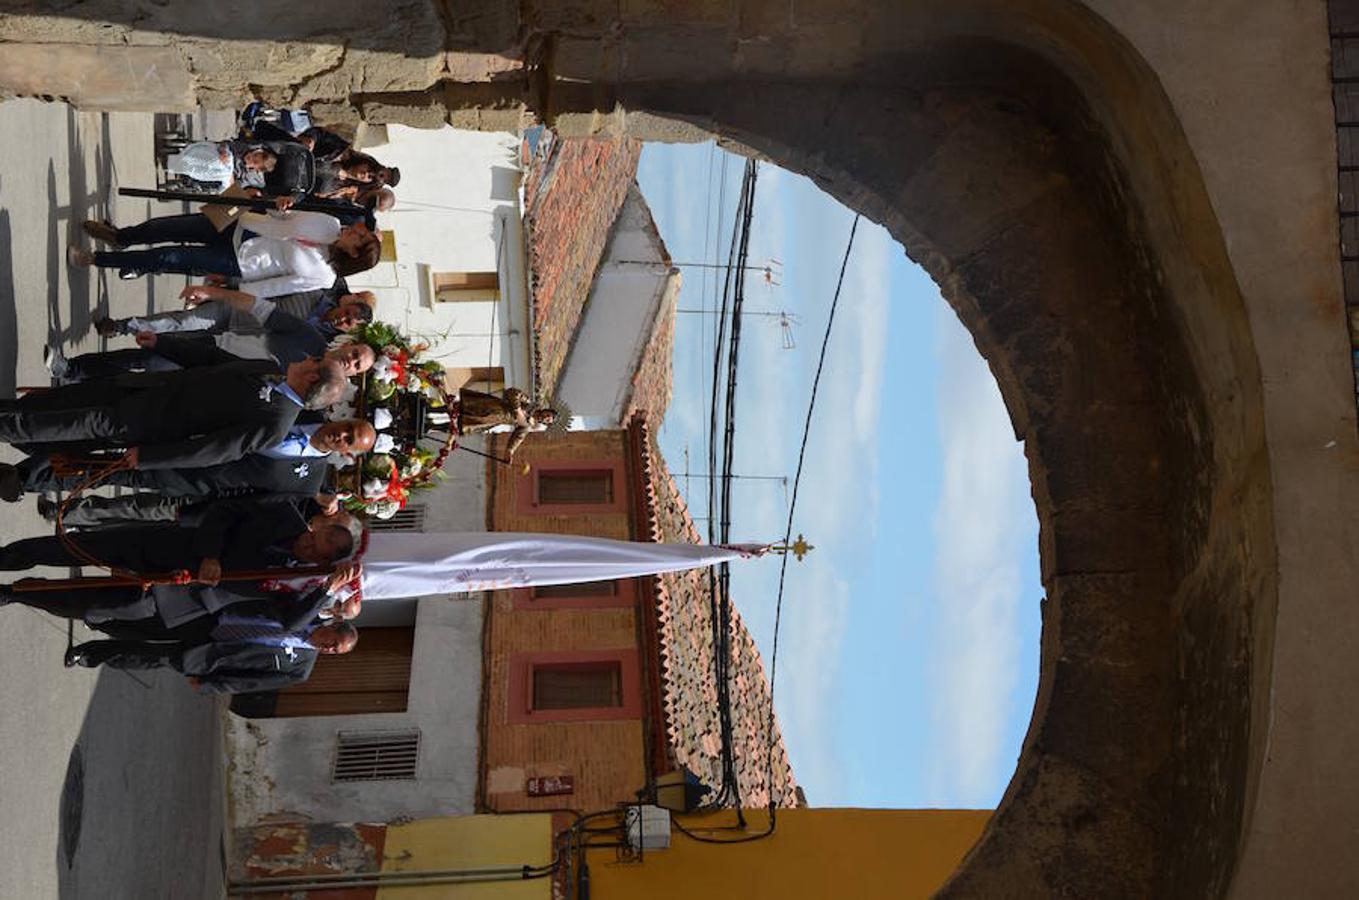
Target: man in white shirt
<point>272,254</point>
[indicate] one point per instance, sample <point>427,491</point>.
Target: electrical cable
<point>727,791</point>
<point>783,567</point>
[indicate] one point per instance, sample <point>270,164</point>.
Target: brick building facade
<point>594,690</point>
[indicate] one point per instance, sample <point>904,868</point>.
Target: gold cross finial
<point>799,548</point>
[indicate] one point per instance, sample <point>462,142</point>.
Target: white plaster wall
<point>458,500</point>
<point>281,767</point>
<point>457,210</point>
<point>629,286</point>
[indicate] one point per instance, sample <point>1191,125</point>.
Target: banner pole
<point>27,585</point>
<point>258,204</point>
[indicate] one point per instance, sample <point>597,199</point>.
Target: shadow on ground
<point>9,313</point>
<point>141,810</point>
<point>64,229</point>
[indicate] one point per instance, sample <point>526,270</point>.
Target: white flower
<point>382,418</point>
<point>301,470</point>
<point>384,509</point>
<point>374,488</point>
<point>384,444</point>
<point>266,391</point>
<point>384,369</point>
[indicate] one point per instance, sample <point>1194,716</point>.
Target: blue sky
<point>909,653</point>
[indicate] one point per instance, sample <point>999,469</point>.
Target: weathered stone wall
<point>140,54</point>
<point>1132,208</point>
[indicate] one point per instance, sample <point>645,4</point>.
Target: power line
<point>792,509</point>
<point>727,350</point>
<point>783,568</point>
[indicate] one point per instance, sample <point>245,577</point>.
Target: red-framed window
<point>572,488</point>
<point>574,686</point>
<point>587,595</point>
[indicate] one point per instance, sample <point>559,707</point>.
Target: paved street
<point>112,783</point>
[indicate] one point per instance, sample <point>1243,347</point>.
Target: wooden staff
<point>502,460</point>
<point>258,204</point>
<point>100,581</point>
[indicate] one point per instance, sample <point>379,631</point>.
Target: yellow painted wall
<point>469,842</point>
<point>845,854</point>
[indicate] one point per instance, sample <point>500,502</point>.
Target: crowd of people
<point>215,417</point>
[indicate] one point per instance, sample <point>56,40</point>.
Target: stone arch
<point>1046,185</point>
<point>1027,156</point>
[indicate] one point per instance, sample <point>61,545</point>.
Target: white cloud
<point>868,287</point>
<point>809,660</point>
<point>838,500</point>
<point>982,523</point>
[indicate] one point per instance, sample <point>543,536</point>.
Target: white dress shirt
<point>276,262</point>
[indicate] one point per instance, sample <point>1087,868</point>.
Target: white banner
<point>398,564</point>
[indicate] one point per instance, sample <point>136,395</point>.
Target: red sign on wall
<point>551,785</point>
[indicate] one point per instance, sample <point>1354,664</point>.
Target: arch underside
<point>1026,156</point>
<point>1113,325</point>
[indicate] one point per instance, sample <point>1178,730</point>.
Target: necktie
<point>295,443</point>
<point>244,630</point>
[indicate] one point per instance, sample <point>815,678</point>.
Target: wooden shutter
<point>374,677</point>
<point>578,686</point>
<point>570,591</point>
<point>466,286</point>
<point>586,488</point>
<point>487,379</point>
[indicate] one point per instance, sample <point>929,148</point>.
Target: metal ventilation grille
<point>376,755</point>
<point>412,518</point>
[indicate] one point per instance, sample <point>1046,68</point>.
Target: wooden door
<point>374,677</point>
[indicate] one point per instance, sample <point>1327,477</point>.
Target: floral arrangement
<point>399,384</point>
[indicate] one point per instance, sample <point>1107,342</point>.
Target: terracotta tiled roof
<point>571,199</point>
<point>684,617</point>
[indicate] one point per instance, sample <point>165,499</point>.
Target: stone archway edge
<point>1221,136</point>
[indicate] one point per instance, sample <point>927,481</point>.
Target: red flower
<point>395,489</point>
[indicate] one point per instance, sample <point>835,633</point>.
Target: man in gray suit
<point>231,657</point>
<point>297,466</point>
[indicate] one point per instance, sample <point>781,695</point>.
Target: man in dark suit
<point>232,536</point>
<point>189,418</point>
<point>297,465</point>
<point>231,658</point>
<point>272,334</point>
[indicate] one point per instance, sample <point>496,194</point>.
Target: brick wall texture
<point>605,758</point>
